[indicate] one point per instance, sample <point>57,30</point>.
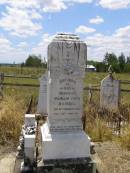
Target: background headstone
<point>110,93</point>
<point>42,100</point>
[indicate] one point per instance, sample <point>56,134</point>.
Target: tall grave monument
<point>62,135</point>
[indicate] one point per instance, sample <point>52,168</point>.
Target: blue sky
<point>28,26</point>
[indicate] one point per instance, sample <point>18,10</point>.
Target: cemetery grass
<point>96,119</point>
<point>12,110</point>
<point>15,102</point>
<point>17,70</point>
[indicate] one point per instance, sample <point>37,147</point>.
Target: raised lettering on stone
<point>62,135</point>
<point>66,69</point>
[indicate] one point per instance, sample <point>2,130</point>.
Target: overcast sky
<point>27,26</point>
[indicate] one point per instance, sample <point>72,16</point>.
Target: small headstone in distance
<point>42,99</point>
<point>110,93</point>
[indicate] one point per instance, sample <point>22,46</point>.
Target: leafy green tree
<point>128,60</point>
<point>127,68</point>
<point>100,66</point>
<point>33,61</point>
<point>121,61</point>
<point>110,59</point>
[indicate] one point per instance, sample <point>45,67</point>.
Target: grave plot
<point>63,146</point>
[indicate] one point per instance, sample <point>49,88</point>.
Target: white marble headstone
<point>42,100</point>
<point>63,135</point>
<point>66,65</point>
<point>110,94</point>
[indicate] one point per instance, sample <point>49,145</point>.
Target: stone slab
<point>29,146</point>
<point>84,165</point>
<point>64,145</point>
<point>29,120</point>
<point>29,141</point>
<point>29,153</point>
<point>42,99</point>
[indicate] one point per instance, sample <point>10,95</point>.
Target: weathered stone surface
<point>62,145</point>
<point>42,100</point>
<point>110,93</point>
<point>29,120</point>
<point>66,62</point>
<point>29,146</point>
<point>78,165</point>
<point>62,135</point>
<point>29,136</point>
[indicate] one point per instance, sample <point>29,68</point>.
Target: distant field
<point>24,71</point>
<point>32,71</point>
<point>93,78</point>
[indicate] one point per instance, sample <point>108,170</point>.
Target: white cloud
<point>5,43</point>
<point>79,1</point>
<point>21,3</point>
<point>22,17</point>
<point>53,5</point>
<point>20,22</point>
<point>114,4</point>
<point>8,53</point>
<point>46,5</point>
<point>23,45</point>
<point>84,29</point>
<point>98,45</point>
<point>118,42</point>
<point>41,48</point>
<point>96,20</point>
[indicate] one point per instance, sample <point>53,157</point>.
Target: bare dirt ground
<point>110,158</point>
<point>7,159</point>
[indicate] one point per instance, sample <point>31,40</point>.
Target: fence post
<point>1,84</point>
<point>90,94</point>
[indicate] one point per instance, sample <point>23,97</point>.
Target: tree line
<point>34,61</point>
<point>119,63</point>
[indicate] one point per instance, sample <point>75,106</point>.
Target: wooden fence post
<point>1,85</point>
<point>90,94</point>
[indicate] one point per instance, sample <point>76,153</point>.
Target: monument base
<point>68,145</point>
<point>84,165</point>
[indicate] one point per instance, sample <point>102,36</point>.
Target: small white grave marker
<point>42,100</point>
<point>110,93</point>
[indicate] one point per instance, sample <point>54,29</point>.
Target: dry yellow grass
<point>96,126</point>
<point>11,118</point>
<point>125,138</point>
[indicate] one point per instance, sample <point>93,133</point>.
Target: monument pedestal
<point>64,145</point>
<point>82,165</point>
